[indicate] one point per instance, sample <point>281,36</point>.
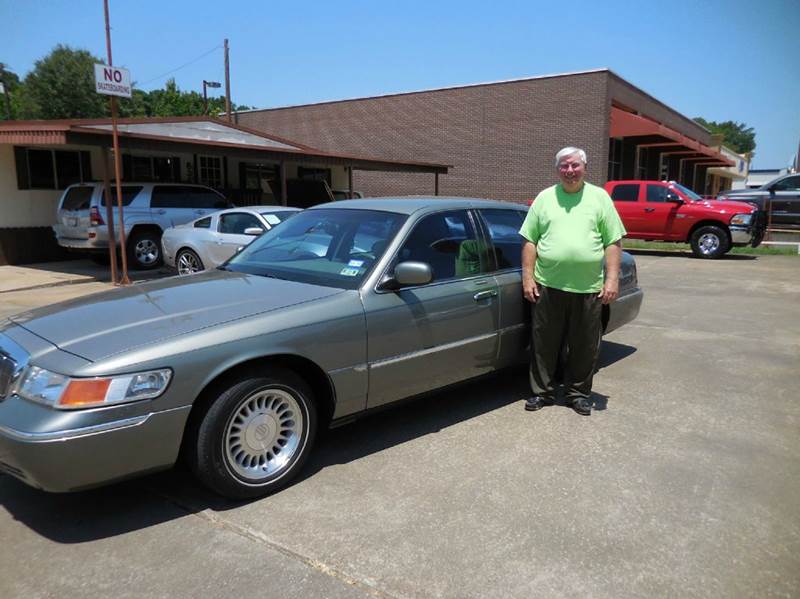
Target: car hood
<point>114,321</point>
<point>731,207</point>
<point>735,193</point>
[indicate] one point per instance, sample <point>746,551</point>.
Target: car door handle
<point>649,209</point>
<point>162,211</point>
<point>481,295</point>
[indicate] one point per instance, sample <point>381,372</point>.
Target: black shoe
<point>537,402</point>
<point>582,407</point>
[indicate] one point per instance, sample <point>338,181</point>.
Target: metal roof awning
<point>628,124</point>
<point>192,134</point>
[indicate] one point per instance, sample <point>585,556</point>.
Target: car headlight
<point>741,219</point>
<point>65,393</point>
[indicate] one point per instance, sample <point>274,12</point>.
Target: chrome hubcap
<point>188,263</point>
<point>709,243</point>
<point>146,251</point>
<point>264,434</point>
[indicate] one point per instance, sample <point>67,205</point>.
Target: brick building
<point>501,137</point>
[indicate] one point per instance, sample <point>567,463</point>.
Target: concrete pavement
<point>684,482</point>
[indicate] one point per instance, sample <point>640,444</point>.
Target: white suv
<point>148,210</point>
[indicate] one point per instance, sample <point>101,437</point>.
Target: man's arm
<point>530,289</point>
<point>610,290</point>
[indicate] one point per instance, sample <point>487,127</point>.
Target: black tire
<point>144,249</point>
<point>710,242</point>
<point>188,262</point>
<point>228,449</point>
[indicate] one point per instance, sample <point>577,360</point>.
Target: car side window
<point>203,223</point>
<point>625,192</point>
<point>129,193</point>
<point>503,228</point>
<point>448,243</point>
<point>657,193</point>
<point>169,196</point>
<point>788,184</point>
<point>199,197</point>
<point>236,222</point>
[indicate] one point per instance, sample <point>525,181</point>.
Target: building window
<point>211,171</point>
<point>151,168</point>
<point>51,169</point>
<point>642,158</point>
<point>314,174</point>
<point>614,159</point>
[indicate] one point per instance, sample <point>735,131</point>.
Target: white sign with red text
<point>112,81</point>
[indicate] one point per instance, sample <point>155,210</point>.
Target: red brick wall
<point>500,138</point>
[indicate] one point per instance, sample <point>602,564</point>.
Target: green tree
<point>11,84</point>
<point>737,136</point>
<point>61,86</point>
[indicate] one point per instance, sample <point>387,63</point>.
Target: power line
<point>215,48</point>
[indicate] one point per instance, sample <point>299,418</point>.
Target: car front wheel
<point>255,437</point>
<point>188,262</point>
<point>709,242</point>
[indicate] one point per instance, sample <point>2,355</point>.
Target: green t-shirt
<point>571,232</point>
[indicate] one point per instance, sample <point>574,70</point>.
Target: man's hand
<point>610,290</point>
<point>530,289</point>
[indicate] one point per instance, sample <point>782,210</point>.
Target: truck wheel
<point>144,249</point>
<point>255,436</point>
<point>709,242</point>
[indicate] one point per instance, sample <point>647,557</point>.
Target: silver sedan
<point>207,242</point>
<point>237,368</point>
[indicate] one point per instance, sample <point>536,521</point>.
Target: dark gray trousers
<point>574,318</point>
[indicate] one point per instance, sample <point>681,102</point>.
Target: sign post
<point>112,81</point>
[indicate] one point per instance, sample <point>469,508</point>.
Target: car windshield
<point>274,217</point>
<point>329,247</point>
<point>687,192</point>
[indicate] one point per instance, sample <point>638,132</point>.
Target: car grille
<point>12,361</point>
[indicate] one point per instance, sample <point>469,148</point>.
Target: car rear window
<point>626,192</point>
<point>77,198</point>
<point>129,193</point>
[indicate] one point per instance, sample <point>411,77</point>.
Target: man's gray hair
<point>569,151</point>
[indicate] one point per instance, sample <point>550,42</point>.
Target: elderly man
<point>569,229</point>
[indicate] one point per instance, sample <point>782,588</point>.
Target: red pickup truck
<point>668,211</point>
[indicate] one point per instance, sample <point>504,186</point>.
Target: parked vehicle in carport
<point>668,211</point>
<point>148,209</point>
<point>780,196</point>
<point>237,368</point>
<point>208,241</point>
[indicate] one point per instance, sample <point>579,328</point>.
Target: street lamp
<point>205,96</point>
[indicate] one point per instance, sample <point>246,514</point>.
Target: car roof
<point>412,204</point>
<point>260,209</point>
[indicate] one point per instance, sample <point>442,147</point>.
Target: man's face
<point>571,170</point>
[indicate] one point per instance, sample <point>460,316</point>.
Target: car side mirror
<point>408,274</point>
<point>673,197</point>
<point>253,231</point>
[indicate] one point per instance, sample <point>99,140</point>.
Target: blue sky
<point>723,60</point>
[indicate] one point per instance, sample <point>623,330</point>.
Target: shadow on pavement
<point>125,507</point>
<point>684,254</point>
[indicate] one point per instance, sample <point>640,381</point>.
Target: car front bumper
<point>751,234</point>
<point>78,458</point>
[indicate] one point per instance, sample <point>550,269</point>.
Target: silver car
<point>209,241</point>
<point>148,209</point>
<point>238,368</point>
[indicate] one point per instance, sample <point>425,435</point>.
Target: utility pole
<point>227,83</point>
<point>124,280</point>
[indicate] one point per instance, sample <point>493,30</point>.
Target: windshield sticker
<point>272,219</point>
<point>349,272</point>
<point>356,263</point>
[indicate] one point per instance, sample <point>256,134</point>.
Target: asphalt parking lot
<point>684,482</point>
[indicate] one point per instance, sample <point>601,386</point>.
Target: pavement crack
<point>258,537</point>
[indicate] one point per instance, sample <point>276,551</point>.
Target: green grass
<point>762,250</point>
